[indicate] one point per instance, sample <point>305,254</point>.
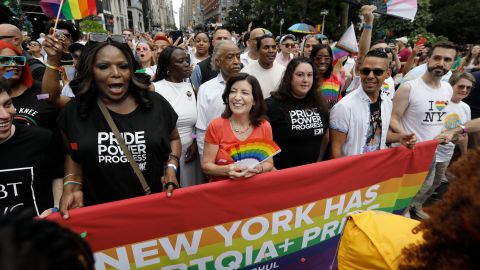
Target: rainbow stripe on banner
<point>287,219</point>
<point>71,9</point>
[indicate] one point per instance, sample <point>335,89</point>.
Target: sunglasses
<point>289,45</point>
<point>4,37</point>
<point>376,71</point>
<point>385,50</point>
<point>101,37</point>
<point>9,61</point>
<point>324,58</point>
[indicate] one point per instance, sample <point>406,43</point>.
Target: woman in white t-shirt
<point>173,69</point>
<point>202,46</point>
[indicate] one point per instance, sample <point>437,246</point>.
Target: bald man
<point>203,72</point>
<point>11,34</point>
<point>251,54</point>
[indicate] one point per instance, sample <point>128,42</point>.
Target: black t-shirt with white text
<point>33,110</point>
<point>25,171</point>
<point>297,129</point>
<point>107,174</point>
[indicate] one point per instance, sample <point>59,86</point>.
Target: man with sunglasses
<point>35,49</point>
<point>359,122</point>
<point>287,47</point>
<point>419,106</point>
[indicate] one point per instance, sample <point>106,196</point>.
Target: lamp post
<point>323,13</point>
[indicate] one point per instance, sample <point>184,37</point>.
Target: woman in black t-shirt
<point>96,170</point>
<point>298,115</point>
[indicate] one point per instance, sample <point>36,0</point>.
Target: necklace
<point>237,130</point>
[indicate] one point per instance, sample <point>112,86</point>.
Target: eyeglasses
<point>376,71</point>
<point>385,50</point>
<point>4,37</point>
<point>9,61</point>
<point>289,45</point>
<point>102,37</point>
<point>324,58</point>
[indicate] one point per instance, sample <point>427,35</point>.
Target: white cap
<point>404,40</point>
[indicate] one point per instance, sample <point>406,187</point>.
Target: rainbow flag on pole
<point>71,9</point>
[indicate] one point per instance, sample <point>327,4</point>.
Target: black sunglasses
<point>289,45</point>
<point>385,50</point>
<point>376,71</point>
<point>9,61</point>
<point>102,37</point>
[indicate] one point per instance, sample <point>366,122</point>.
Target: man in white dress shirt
<point>226,58</point>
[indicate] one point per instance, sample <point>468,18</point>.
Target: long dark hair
<point>313,97</point>
<point>83,85</point>
<point>258,111</point>
<point>469,57</point>
<point>318,48</point>
<point>164,62</point>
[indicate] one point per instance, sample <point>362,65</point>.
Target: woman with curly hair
<point>452,233</point>
<point>96,168</point>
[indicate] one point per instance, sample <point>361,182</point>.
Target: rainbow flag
<point>330,90</point>
<point>71,9</point>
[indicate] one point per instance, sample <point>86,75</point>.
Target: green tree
<point>268,14</point>
<point>457,20</point>
<point>89,26</point>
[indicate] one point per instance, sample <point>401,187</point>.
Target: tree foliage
<point>89,26</point>
<point>268,14</point>
<point>457,20</point>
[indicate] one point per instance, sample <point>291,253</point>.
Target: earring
<point>168,71</point>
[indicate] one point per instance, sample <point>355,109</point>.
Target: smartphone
<point>421,41</point>
<point>59,33</point>
<point>177,34</point>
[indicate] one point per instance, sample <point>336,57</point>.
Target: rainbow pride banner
<point>71,9</point>
<point>288,219</point>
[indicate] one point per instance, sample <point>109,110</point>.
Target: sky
<point>176,11</point>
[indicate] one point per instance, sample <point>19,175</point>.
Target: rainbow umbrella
<point>302,28</point>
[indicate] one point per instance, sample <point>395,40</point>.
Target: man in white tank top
<point>419,107</point>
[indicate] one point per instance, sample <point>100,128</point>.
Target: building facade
<point>216,11</point>
<point>135,16</point>
<point>190,14</point>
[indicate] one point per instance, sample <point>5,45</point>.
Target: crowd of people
<point>94,118</point>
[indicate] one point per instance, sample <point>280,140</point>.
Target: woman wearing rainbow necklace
<point>243,120</point>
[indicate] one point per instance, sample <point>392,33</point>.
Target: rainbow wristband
<point>53,67</point>
<point>72,182</point>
